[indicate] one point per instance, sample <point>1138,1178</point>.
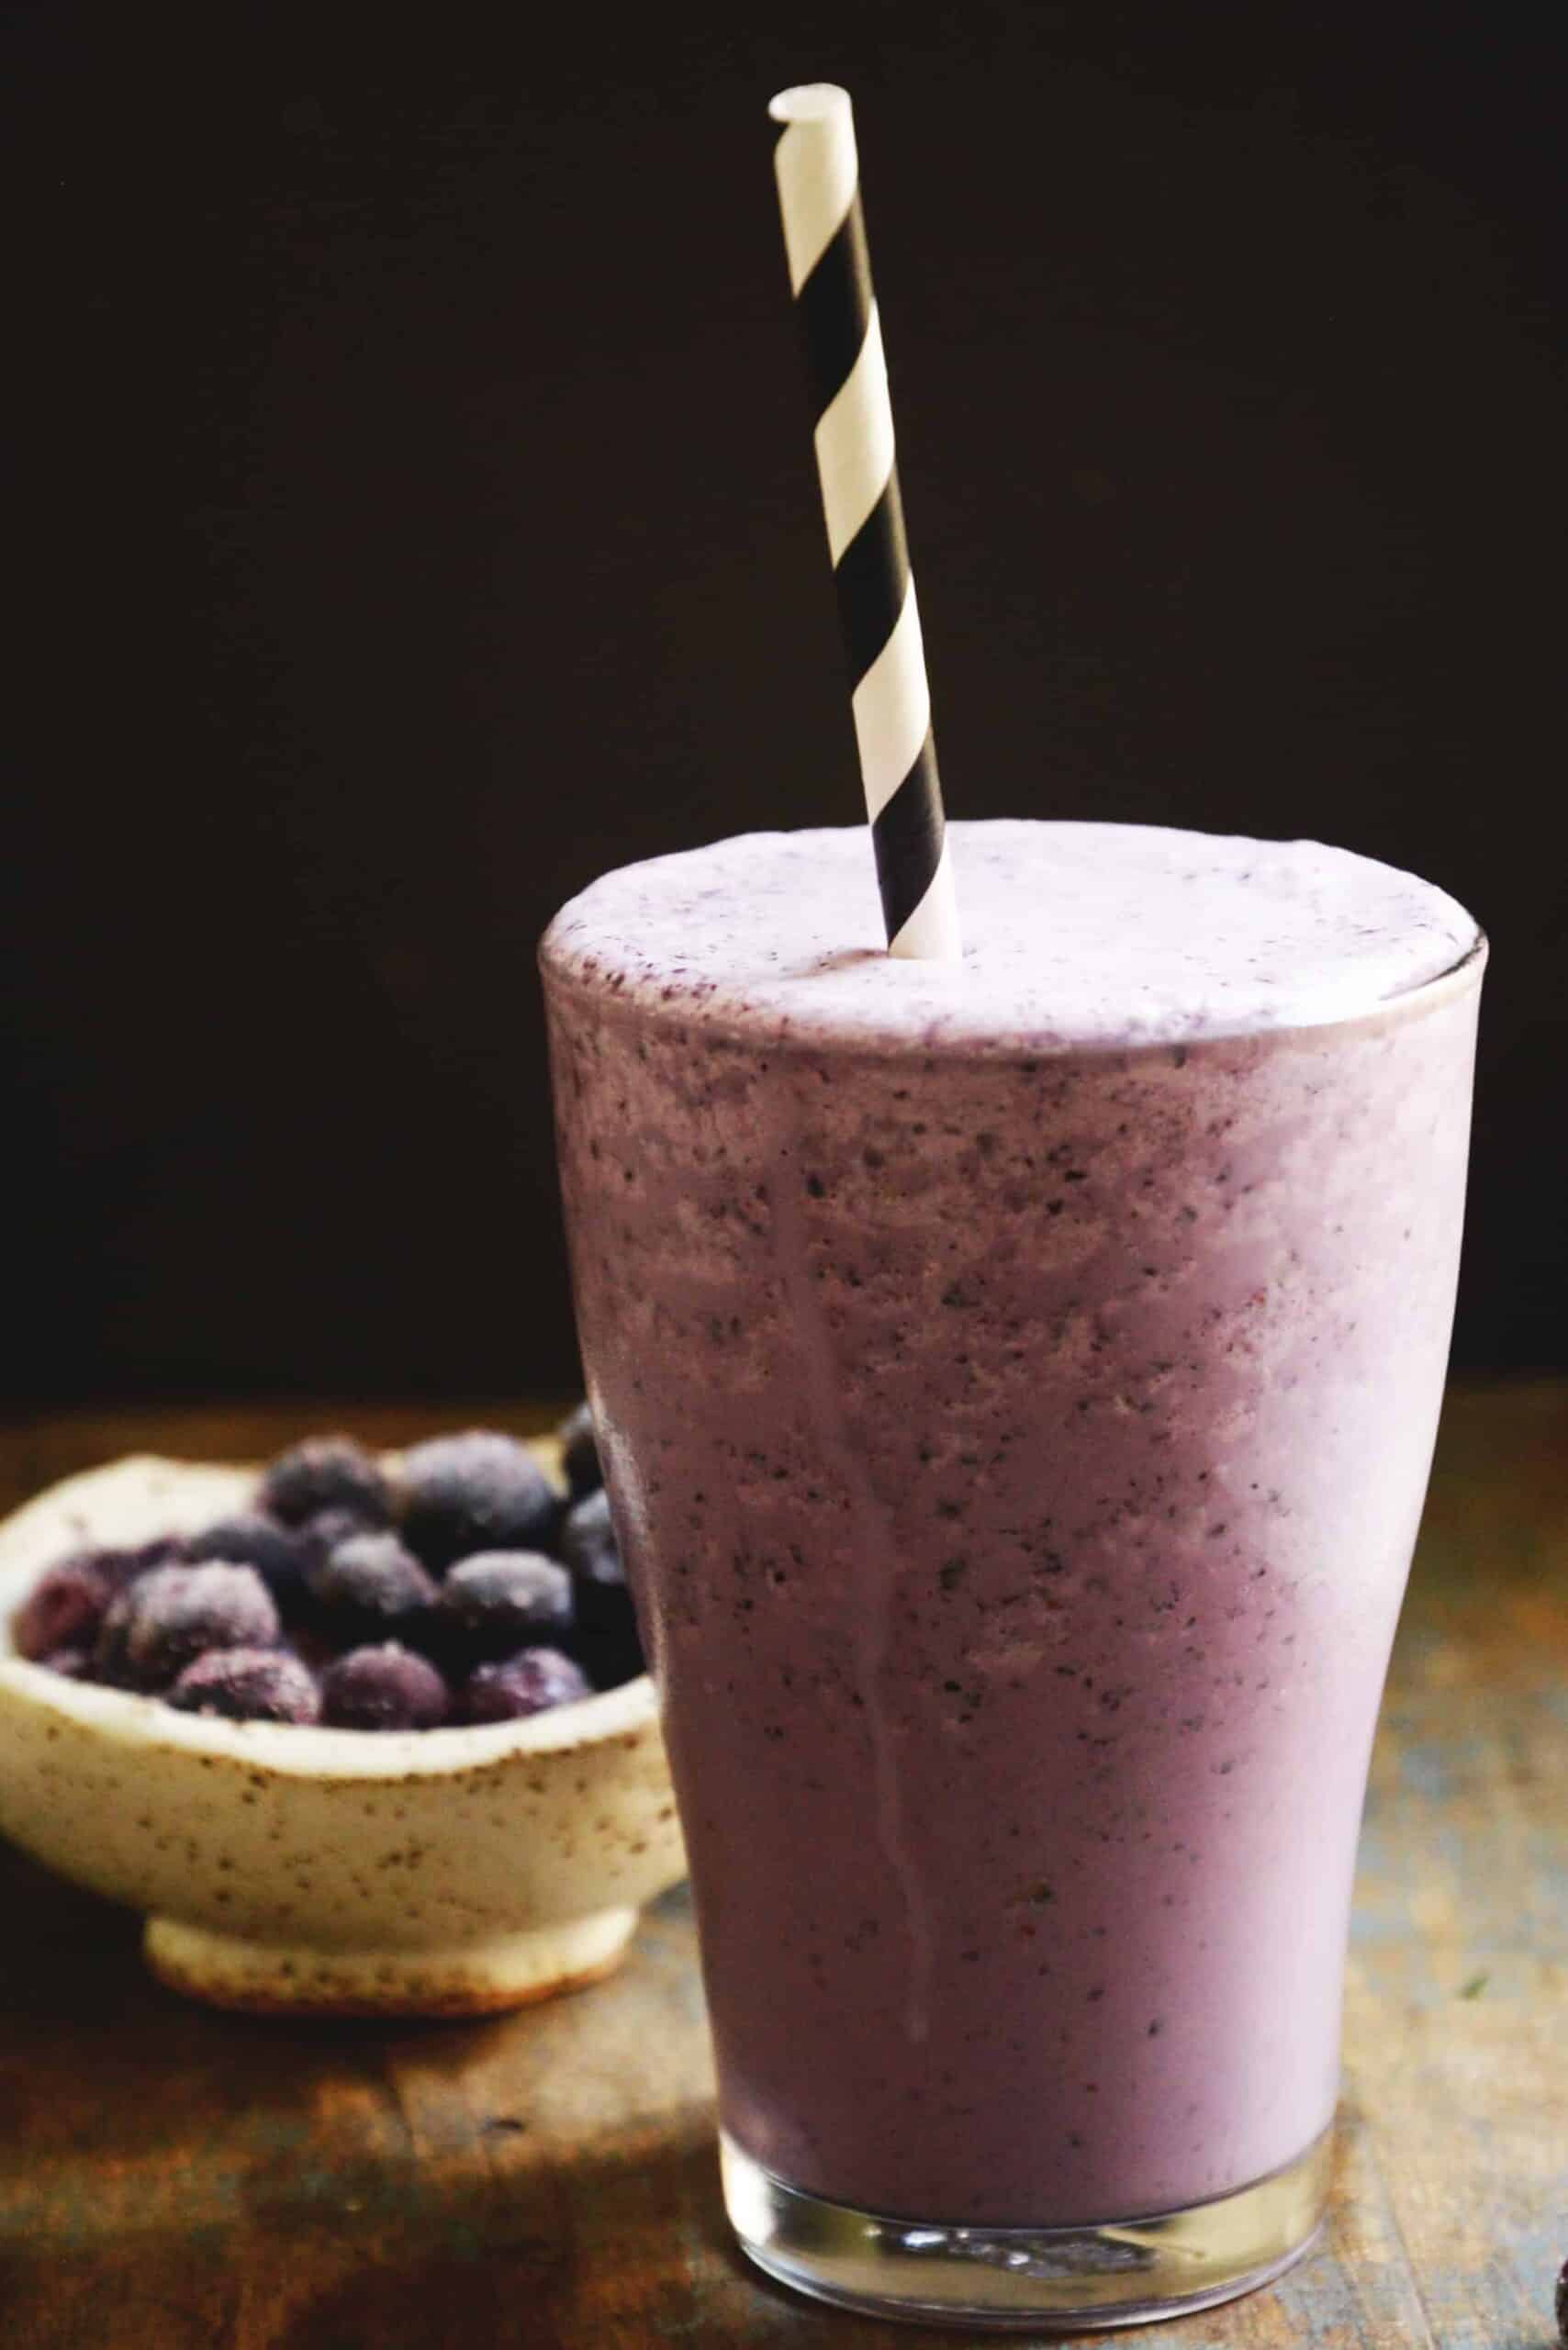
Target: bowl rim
<point>284,1750</point>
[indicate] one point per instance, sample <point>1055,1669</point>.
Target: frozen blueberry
<point>587,1541</point>
<point>76,1664</point>
<point>325,1472</point>
<point>108,1659</point>
<point>64,1608</point>
<point>370,1584</point>
<point>159,1624</point>
<point>254,1539</point>
<point>530,1682</point>
<point>606,1622</point>
<point>68,1603</point>
<point>249,1686</point>
<point>319,1536</point>
<point>387,1687</point>
<point>163,1551</point>
<point>579,1452</point>
<point>1562,2305</point>
<point>496,1601</point>
<point>479,1491</point>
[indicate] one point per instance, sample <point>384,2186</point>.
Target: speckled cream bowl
<point>448,1872</point>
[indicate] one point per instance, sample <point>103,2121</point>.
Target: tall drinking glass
<point>1017,1387</point>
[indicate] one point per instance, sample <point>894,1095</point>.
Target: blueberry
<point>163,1551</point>
<point>325,1472</point>
<point>530,1682</point>
<point>579,1452</point>
<point>64,1608</point>
<point>108,1661</point>
<point>248,1686</point>
<point>479,1491</point>
<point>319,1536</point>
<point>254,1539</point>
<point>607,1621</point>
<point>370,1584</point>
<point>1562,2305</point>
<point>68,1603</point>
<point>587,1542</point>
<point>159,1624</point>
<point>75,1664</point>
<point>387,1687</point>
<point>496,1601</point>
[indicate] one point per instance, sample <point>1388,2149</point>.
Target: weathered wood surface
<point>172,2180</point>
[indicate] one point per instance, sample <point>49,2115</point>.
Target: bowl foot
<point>464,1979</point>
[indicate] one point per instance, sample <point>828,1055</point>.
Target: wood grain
<point>172,2180</point>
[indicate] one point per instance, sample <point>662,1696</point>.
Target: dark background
<point>414,514</point>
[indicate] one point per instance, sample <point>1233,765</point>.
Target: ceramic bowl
<point>439,1871</point>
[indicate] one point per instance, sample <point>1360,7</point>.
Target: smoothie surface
<point>1074,935</point>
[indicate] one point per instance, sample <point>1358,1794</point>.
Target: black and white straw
<point>830,277</point>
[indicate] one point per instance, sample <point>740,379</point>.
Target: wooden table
<point>172,2180</point>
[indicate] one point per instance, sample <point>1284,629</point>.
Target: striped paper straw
<point>830,276</point>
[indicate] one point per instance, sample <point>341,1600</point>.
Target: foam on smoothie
<point>1075,935</point>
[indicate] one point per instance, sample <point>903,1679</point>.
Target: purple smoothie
<point>1017,1386</point>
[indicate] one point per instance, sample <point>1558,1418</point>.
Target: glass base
<point>1117,2272</point>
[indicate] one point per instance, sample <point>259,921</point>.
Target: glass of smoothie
<point>1016,1382</point>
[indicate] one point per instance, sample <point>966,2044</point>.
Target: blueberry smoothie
<point>1016,1385</point>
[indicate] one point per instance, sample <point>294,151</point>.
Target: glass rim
<point>792,1039</point>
